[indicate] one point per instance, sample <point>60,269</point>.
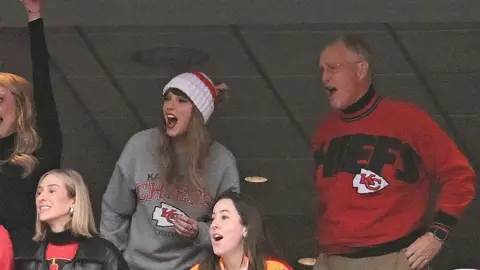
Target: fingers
<point>415,260</point>
<point>185,226</point>
<point>181,225</point>
<point>419,264</point>
<point>412,256</point>
<point>410,250</point>
<point>183,218</point>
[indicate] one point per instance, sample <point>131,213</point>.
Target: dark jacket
<point>93,253</point>
<point>17,194</point>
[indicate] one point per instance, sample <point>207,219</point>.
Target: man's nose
<point>325,77</point>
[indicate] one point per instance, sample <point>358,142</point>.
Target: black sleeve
<point>115,260</point>
<point>48,125</point>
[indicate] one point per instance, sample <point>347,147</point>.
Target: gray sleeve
<point>230,181</point>
<point>118,206</point>
<point>203,238</point>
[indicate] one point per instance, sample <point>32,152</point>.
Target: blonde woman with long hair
<point>30,135</point>
<point>65,234</point>
<point>157,204</point>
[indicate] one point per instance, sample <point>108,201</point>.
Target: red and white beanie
<point>199,88</point>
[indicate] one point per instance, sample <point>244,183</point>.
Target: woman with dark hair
<point>238,238</point>
<point>30,135</point>
<point>159,197</point>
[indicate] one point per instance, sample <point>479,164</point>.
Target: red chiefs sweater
<point>374,165</point>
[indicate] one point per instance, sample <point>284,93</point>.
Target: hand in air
<point>32,7</point>
<point>186,226</point>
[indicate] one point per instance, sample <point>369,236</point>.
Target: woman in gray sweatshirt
<point>156,206</point>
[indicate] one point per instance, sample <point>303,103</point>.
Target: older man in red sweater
<point>376,159</point>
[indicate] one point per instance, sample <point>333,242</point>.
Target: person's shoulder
<point>145,135</point>
<point>3,233</point>
<point>324,124</point>
<point>5,237</point>
<point>401,106</point>
<point>98,241</point>
<point>276,264</point>
<point>219,150</point>
<point>142,140</point>
<point>406,112</point>
<point>98,249</point>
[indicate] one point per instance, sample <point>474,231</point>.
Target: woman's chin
<point>172,133</point>
<point>175,133</point>
<point>44,218</point>
<point>219,252</point>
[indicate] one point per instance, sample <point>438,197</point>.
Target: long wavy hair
<point>198,143</point>
<point>27,140</point>
<point>255,243</point>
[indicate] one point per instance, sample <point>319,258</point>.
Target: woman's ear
<point>245,231</point>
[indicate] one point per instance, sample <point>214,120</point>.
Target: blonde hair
<point>82,222</point>
<point>198,145</point>
<point>26,138</point>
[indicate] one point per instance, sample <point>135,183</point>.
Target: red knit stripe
<point>209,85</point>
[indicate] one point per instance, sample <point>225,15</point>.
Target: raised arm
<point>48,125</point>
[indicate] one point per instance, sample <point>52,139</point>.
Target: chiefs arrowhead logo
<point>368,182</point>
<point>164,214</point>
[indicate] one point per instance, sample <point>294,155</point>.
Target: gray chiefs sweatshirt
<point>137,212</point>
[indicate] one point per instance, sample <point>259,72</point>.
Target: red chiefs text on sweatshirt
<point>375,163</point>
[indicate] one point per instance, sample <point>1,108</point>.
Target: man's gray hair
<point>355,44</point>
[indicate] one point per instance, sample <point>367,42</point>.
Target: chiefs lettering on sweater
<point>374,170</point>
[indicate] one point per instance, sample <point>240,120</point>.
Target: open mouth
<point>331,90</point>
<point>43,208</point>
<point>171,120</point>
<point>1,120</point>
<point>217,237</point>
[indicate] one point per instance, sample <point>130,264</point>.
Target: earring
<point>70,211</point>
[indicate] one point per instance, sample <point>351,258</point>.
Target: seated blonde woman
<point>237,237</point>
<point>65,236</point>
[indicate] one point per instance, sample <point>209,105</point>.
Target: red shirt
<point>6,250</point>
<point>373,175</point>
<point>59,255</point>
